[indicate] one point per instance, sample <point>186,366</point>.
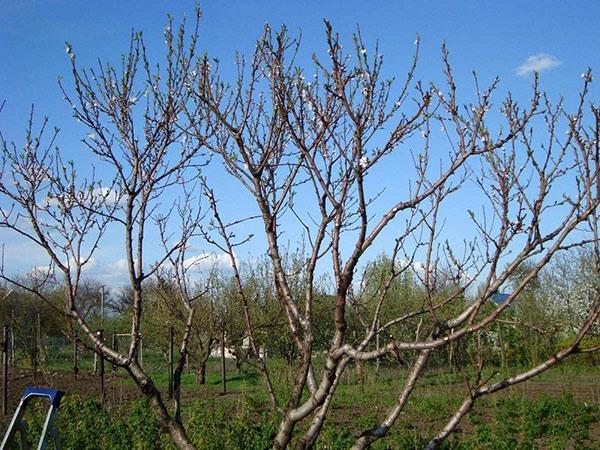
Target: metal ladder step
<point>17,424</point>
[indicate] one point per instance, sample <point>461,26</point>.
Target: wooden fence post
<point>75,354</point>
<point>12,346</point>
<point>101,363</point>
<point>4,370</point>
<point>115,345</point>
<point>171,339</point>
<point>223,367</point>
<point>34,354</point>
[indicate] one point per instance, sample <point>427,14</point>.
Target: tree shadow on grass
<point>244,376</point>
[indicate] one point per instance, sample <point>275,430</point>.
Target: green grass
<point>241,423</point>
<point>242,420</point>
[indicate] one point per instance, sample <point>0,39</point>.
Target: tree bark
<point>201,373</point>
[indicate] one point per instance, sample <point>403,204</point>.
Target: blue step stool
<point>18,424</point>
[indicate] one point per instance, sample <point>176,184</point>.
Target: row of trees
<point>307,146</point>
<point>552,307</point>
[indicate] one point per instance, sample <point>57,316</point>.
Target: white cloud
<point>117,268</point>
<point>100,194</point>
<point>116,273</point>
<point>121,264</point>
<point>90,265</point>
<point>112,273</point>
<point>538,63</point>
<point>110,196</point>
<point>205,261</point>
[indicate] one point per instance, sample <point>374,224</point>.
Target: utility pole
<point>102,307</point>
<point>75,354</point>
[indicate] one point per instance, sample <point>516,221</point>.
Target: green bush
<point>237,426</point>
<point>237,423</point>
<point>549,422</point>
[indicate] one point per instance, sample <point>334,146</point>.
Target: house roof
<point>499,297</point>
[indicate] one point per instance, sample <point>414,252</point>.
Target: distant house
<point>499,297</point>
<point>230,351</point>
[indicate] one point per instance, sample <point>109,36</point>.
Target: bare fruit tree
<point>140,183</point>
<point>308,146</point>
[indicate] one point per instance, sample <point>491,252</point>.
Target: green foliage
<point>237,426</point>
<point>549,422</point>
<point>239,422</point>
<point>333,438</point>
<point>142,426</point>
<point>84,424</point>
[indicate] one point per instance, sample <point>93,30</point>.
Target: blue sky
<point>504,38</point>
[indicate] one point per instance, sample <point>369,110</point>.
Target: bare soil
<point>84,384</point>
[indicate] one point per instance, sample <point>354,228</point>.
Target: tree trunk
<point>167,423</point>
<point>284,435</point>
<point>223,366</point>
<point>238,363</point>
<point>201,372</point>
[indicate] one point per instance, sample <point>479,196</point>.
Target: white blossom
<point>69,51</point>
